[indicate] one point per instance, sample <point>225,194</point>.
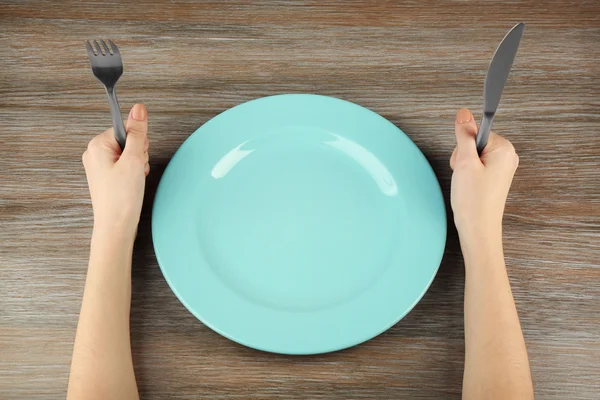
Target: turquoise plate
<point>299,224</point>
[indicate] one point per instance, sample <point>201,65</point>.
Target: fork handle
<point>117,119</point>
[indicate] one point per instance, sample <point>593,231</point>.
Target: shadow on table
<point>148,286</point>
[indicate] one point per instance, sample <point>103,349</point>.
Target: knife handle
<point>484,131</point>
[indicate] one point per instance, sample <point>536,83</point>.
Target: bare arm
<point>496,363</point>
<point>102,367</point>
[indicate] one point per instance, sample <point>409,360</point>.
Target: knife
<point>496,79</point>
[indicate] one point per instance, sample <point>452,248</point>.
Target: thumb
<point>137,130</point>
<point>465,130</point>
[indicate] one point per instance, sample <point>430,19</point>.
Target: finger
<point>146,169</point>
<point>108,138</point>
<point>453,159</point>
<point>137,131</point>
<point>494,141</point>
<point>105,146</point>
<point>465,130</point>
<point>499,149</point>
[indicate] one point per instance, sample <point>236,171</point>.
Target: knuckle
<point>508,150</point>
<point>136,130</point>
<point>511,149</point>
<point>93,144</point>
<point>510,154</point>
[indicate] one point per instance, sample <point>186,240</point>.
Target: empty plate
<point>299,224</point>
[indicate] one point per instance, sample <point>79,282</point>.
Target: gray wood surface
<point>414,63</point>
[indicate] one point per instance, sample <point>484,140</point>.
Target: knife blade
<point>495,81</point>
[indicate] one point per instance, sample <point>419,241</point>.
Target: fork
<point>107,66</point>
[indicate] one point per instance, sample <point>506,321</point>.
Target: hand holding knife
<point>495,80</point>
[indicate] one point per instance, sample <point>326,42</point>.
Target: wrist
<point>481,246</point>
<point>113,237</point>
<point>119,228</point>
<point>111,254</point>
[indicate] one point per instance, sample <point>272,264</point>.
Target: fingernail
<point>138,112</point>
<point>463,116</point>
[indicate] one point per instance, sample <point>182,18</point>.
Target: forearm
<point>102,365</point>
<point>496,363</point>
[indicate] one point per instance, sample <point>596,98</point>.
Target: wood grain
<point>414,63</point>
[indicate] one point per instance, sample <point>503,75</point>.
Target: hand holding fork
<point>107,66</point>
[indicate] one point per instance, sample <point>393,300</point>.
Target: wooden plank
<point>414,63</point>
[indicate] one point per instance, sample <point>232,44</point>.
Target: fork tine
<point>97,45</point>
<point>114,47</point>
<point>89,49</point>
<point>107,51</point>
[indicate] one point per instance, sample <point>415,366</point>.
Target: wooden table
<point>414,63</point>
